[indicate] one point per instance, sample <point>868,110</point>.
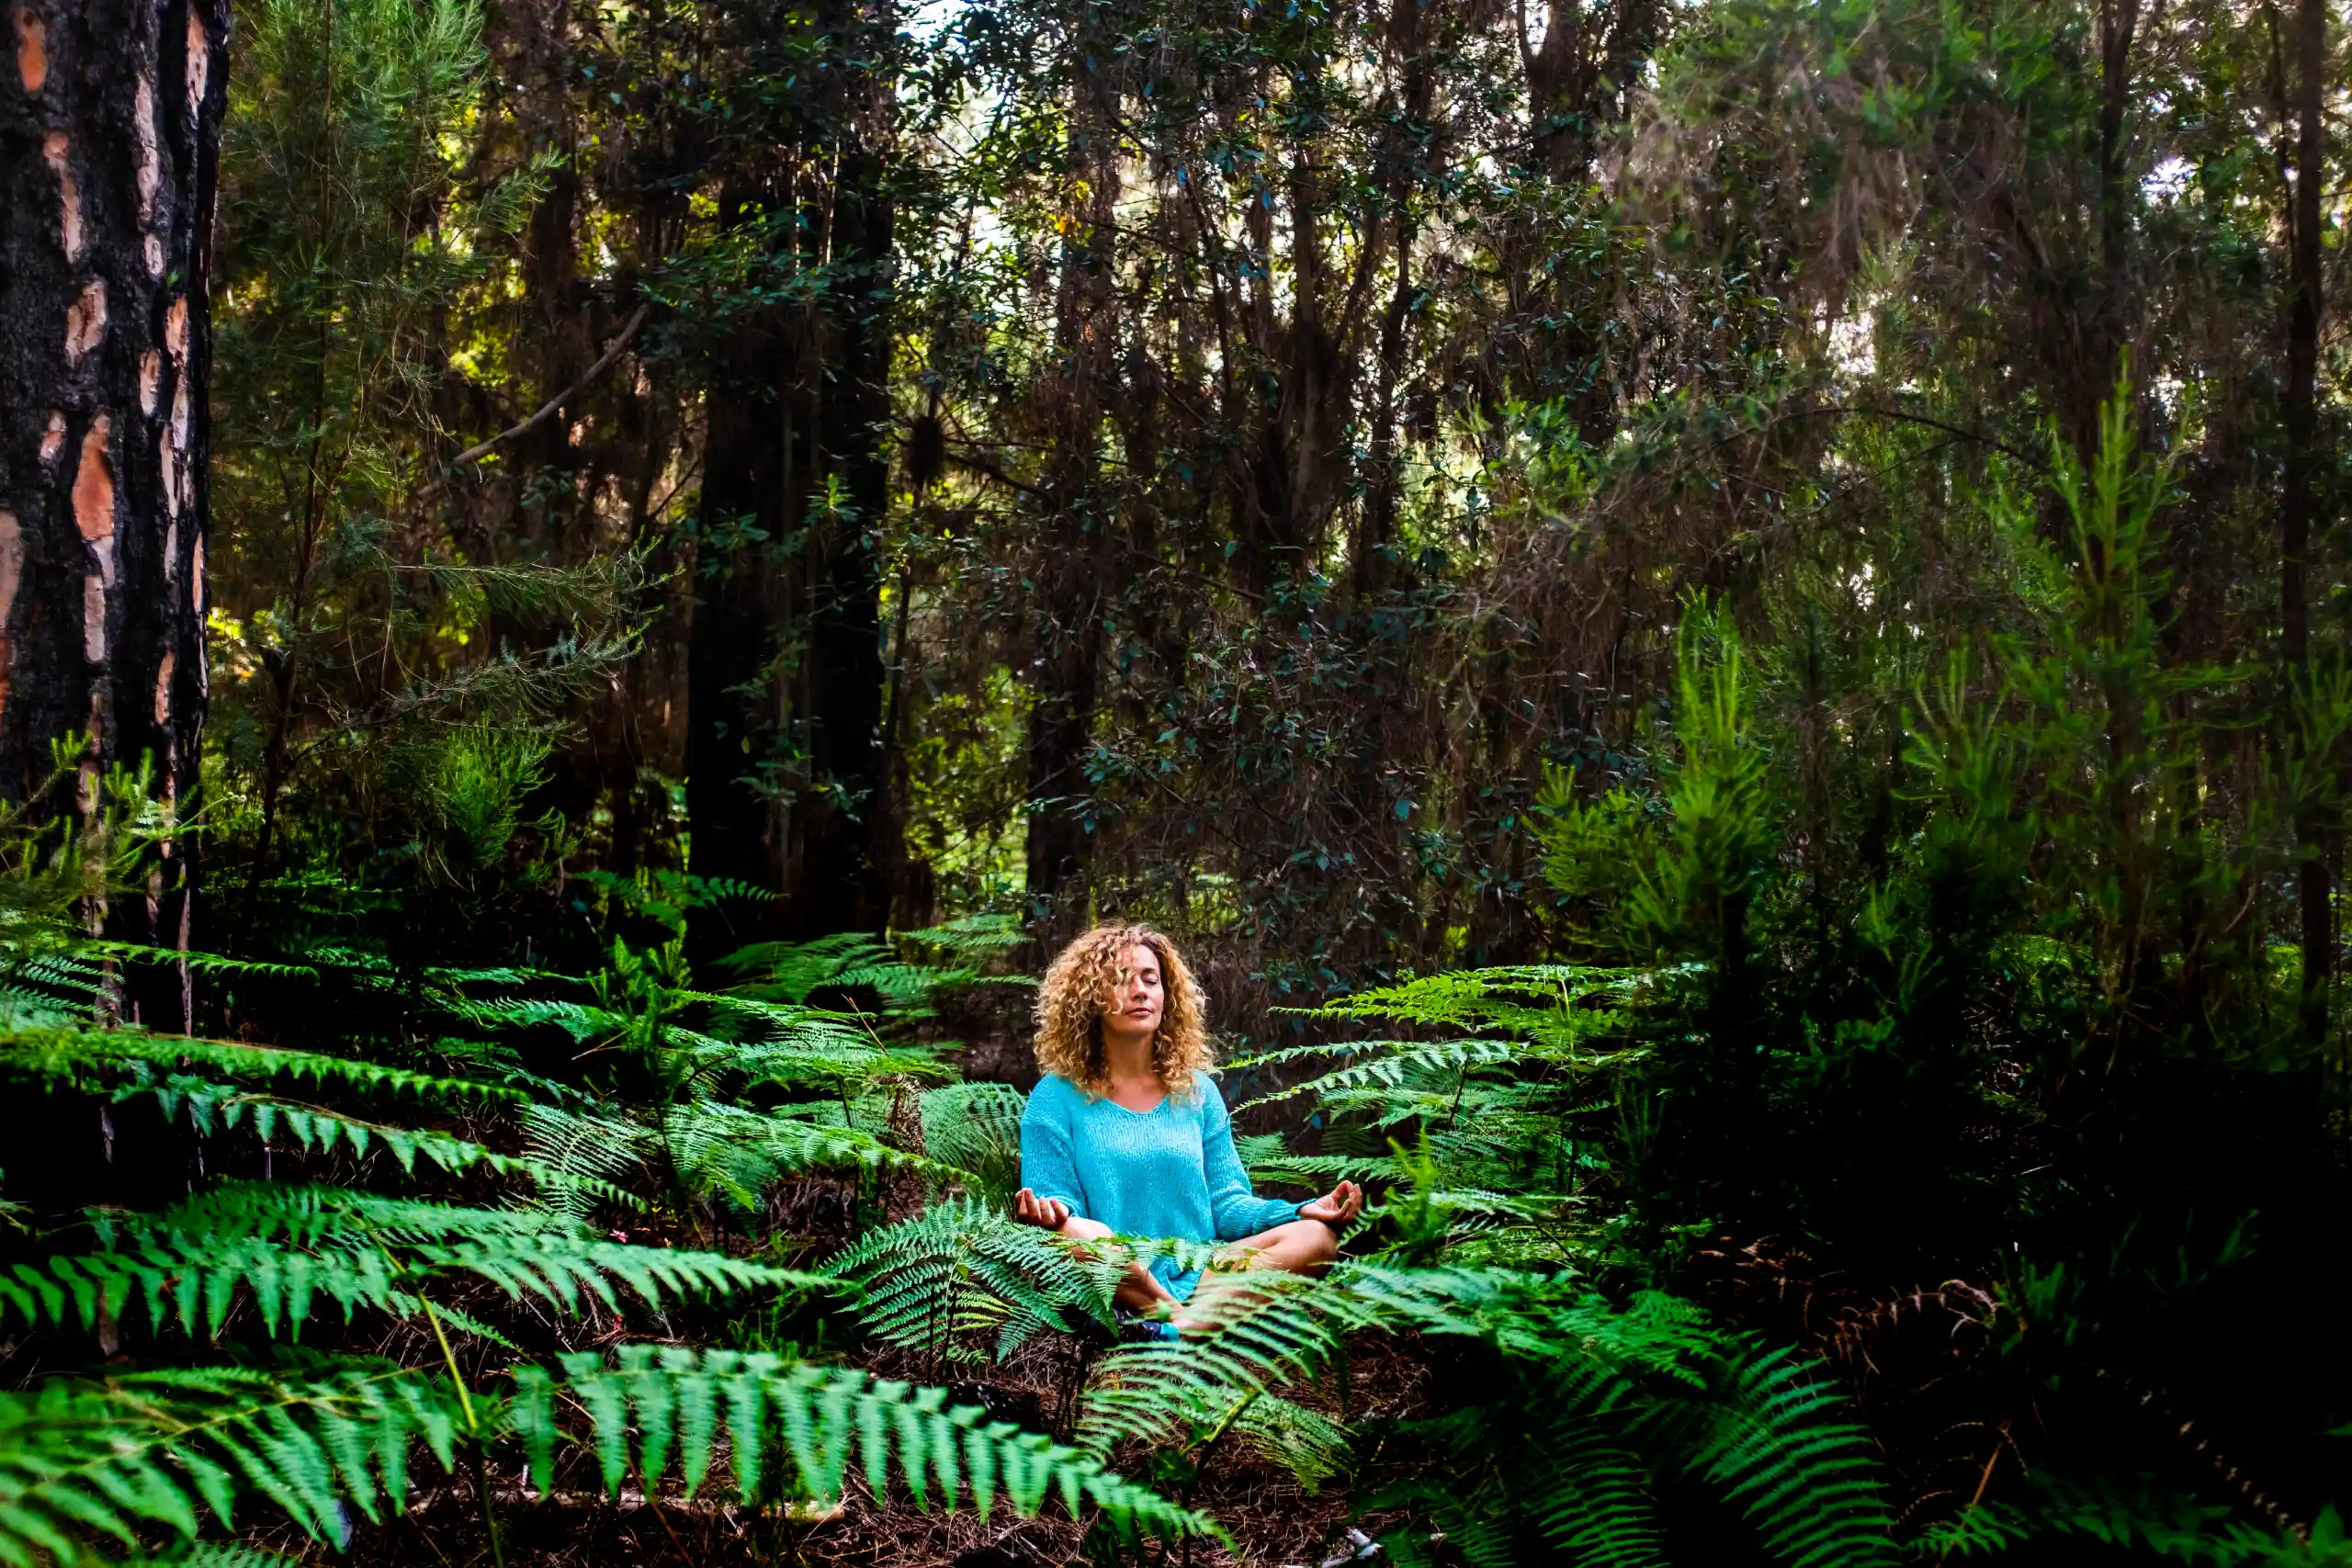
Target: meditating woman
<point>1127,1134</point>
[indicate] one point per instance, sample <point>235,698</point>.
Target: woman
<point>1125,1133</point>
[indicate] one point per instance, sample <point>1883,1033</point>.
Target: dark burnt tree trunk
<point>109,137</point>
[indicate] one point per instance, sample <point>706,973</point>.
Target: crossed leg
<point>1298,1246</point>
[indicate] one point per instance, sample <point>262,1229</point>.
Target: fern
<point>579,1158</point>
<point>1277,1332</point>
<point>1308,1444</point>
<point>81,1459</point>
<point>976,1127</point>
<point>291,1251</point>
<point>212,1106</point>
<point>1777,1442</point>
<point>821,1421</point>
<point>85,1463</point>
<point>1626,1390</point>
<point>84,1058</point>
<point>960,1267</point>
<point>732,1150</point>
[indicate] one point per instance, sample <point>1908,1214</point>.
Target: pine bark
<point>109,138</point>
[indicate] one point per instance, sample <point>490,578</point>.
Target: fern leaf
<point>80,1459</point>
<point>292,1250</point>
<point>820,1422</point>
<point>960,1266</point>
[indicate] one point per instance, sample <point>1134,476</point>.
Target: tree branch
<point>546,411</point>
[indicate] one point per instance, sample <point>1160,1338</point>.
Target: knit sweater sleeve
<point>1048,1162</point>
<point>1237,1210</point>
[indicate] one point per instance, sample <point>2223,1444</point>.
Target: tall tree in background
<point>110,135</point>
<point>785,770</point>
<point>2306,298</point>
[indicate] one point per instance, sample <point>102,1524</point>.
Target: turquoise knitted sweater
<point>1169,1171</point>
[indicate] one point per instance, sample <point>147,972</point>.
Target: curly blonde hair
<point>1077,991</point>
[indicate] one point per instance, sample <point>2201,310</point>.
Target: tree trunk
<point>109,140</point>
<point>2314,879</point>
<point>1079,576</point>
<point>734,801</point>
<point>786,778</point>
<point>841,887</point>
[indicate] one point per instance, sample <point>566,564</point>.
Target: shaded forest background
<point>1804,541</point>
<point>1209,467</point>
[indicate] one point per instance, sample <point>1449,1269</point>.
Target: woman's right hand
<point>1032,1210</point>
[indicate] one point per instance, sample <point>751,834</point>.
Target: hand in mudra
<point>1337,1207</point>
<point>1030,1209</point>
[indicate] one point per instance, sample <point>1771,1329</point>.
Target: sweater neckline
<point>1153,1111</point>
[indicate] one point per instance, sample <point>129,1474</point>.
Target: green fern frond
<point>202,963</point>
<point>580,1158</point>
<point>971,936</point>
<point>820,1422</point>
<point>1591,1501</point>
<point>730,1149</point>
<point>212,1106</point>
<point>977,1128</point>
<point>292,1250</point>
<point>1278,1330</point>
<point>1510,995</point>
<point>962,1267</point>
<point>1446,1061</point>
<point>1778,1442</point>
<point>88,1057</point>
<point>578,1020</point>
<point>1308,1444</point>
<point>80,1461</point>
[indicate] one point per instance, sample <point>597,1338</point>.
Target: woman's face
<point>1139,997</point>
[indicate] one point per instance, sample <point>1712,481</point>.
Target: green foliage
<point>962,1269</point>
<point>1487,1119</point>
<point>291,1250</point>
<point>164,1448</point>
<point>821,1422</point>
<point>1598,1404</point>
<point>976,1128</point>
<point>1676,876</point>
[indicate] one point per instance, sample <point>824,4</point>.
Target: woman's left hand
<point>1337,1207</point>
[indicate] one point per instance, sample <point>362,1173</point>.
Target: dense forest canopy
<point>1724,628</point>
